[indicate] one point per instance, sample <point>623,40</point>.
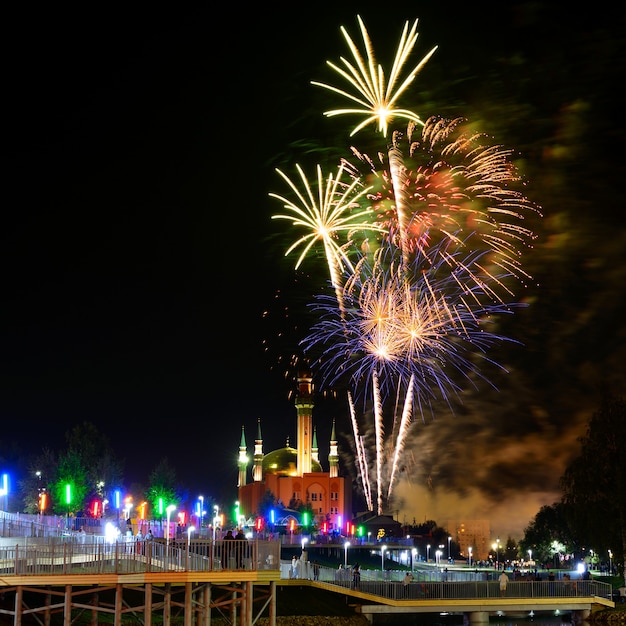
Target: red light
<point>95,508</point>
<point>292,525</point>
<point>325,528</point>
<point>259,524</point>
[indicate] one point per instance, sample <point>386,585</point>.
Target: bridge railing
<point>123,557</point>
<point>465,590</point>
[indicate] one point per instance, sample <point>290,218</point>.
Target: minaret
<point>257,468</point>
<point>315,450</point>
<point>304,406</point>
<point>243,460</point>
<point>333,455</point>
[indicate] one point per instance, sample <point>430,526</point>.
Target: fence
<point>55,557</point>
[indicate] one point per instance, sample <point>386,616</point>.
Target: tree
<point>162,487</point>
<point>549,535</point>
<point>103,472</point>
<point>594,484</point>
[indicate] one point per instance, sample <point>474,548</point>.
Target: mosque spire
<point>315,453</point>
<point>333,456</point>
<point>257,468</point>
<point>243,460</point>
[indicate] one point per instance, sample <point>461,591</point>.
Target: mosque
<point>294,477</point>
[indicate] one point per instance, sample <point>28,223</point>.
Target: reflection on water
<point>456,619</point>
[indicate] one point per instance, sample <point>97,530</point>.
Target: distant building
<point>295,476</point>
<point>474,534</point>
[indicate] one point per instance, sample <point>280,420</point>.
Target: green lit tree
<point>549,535</point>
<point>162,489</point>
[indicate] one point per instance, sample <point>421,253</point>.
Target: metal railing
<point>479,589</point>
<point>56,557</point>
<point>389,584</point>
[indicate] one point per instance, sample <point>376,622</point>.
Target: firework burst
<point>413,312</point>
<point>330,217</point>
<point>366,79</point>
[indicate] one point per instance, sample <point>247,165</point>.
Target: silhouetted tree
<point>594,484</point>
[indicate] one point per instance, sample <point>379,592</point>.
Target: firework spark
<point>453,185</point>
<point>367,80</point>
<point>336,211</point>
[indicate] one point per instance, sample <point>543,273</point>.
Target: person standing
<point>228,550</point>
<point>503,579</point>
<point>316,570</point>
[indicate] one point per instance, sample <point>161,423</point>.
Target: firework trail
<point>360,455</point>
<point>403,431</point>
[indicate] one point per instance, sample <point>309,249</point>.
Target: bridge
<point>41,577</point>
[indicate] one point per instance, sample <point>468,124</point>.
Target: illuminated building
<point>295,476</point>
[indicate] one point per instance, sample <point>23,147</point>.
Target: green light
<point>68,493</point>
<point>305,519</point>
<point>160,506</point>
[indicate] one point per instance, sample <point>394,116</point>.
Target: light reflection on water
<point>456,619</point>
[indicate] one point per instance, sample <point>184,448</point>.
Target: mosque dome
<point>284,462</point>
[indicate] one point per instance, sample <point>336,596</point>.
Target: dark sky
<point>138,253</point>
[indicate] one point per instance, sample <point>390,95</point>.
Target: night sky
<point>139,256</point>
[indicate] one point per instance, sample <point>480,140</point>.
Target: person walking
<point>503,579</point>
<point>406,581</point>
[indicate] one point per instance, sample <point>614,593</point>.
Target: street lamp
<point>346,545</point>
<point>413,557</point>
<point>201,498</point>
<point>189,531</point>
<point>382,558</point>
<point>428,553</point>
<point>470,555</point>
<point>530,556</point>
<point>449,540</point>
<point>168,512</point>
<point>216,511</point>
<point>610,563</point>
<point>438,557</point>
<point>369,537</point>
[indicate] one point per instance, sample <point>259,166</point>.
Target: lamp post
<point>369,537</point>
<point>189,531</point>
<point>449,540</point>
<point>201,498</point>
<point>168,512</point>
<point>346,545</point>
<point>610,563</point>
<point>470,555</point>
<point>68,501</point>
<point>413,557</point>
<point>428,553</point>
<point>438,557</point>
<point>216,511</point>
<point>382,558</point>
<point>530,556</point>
